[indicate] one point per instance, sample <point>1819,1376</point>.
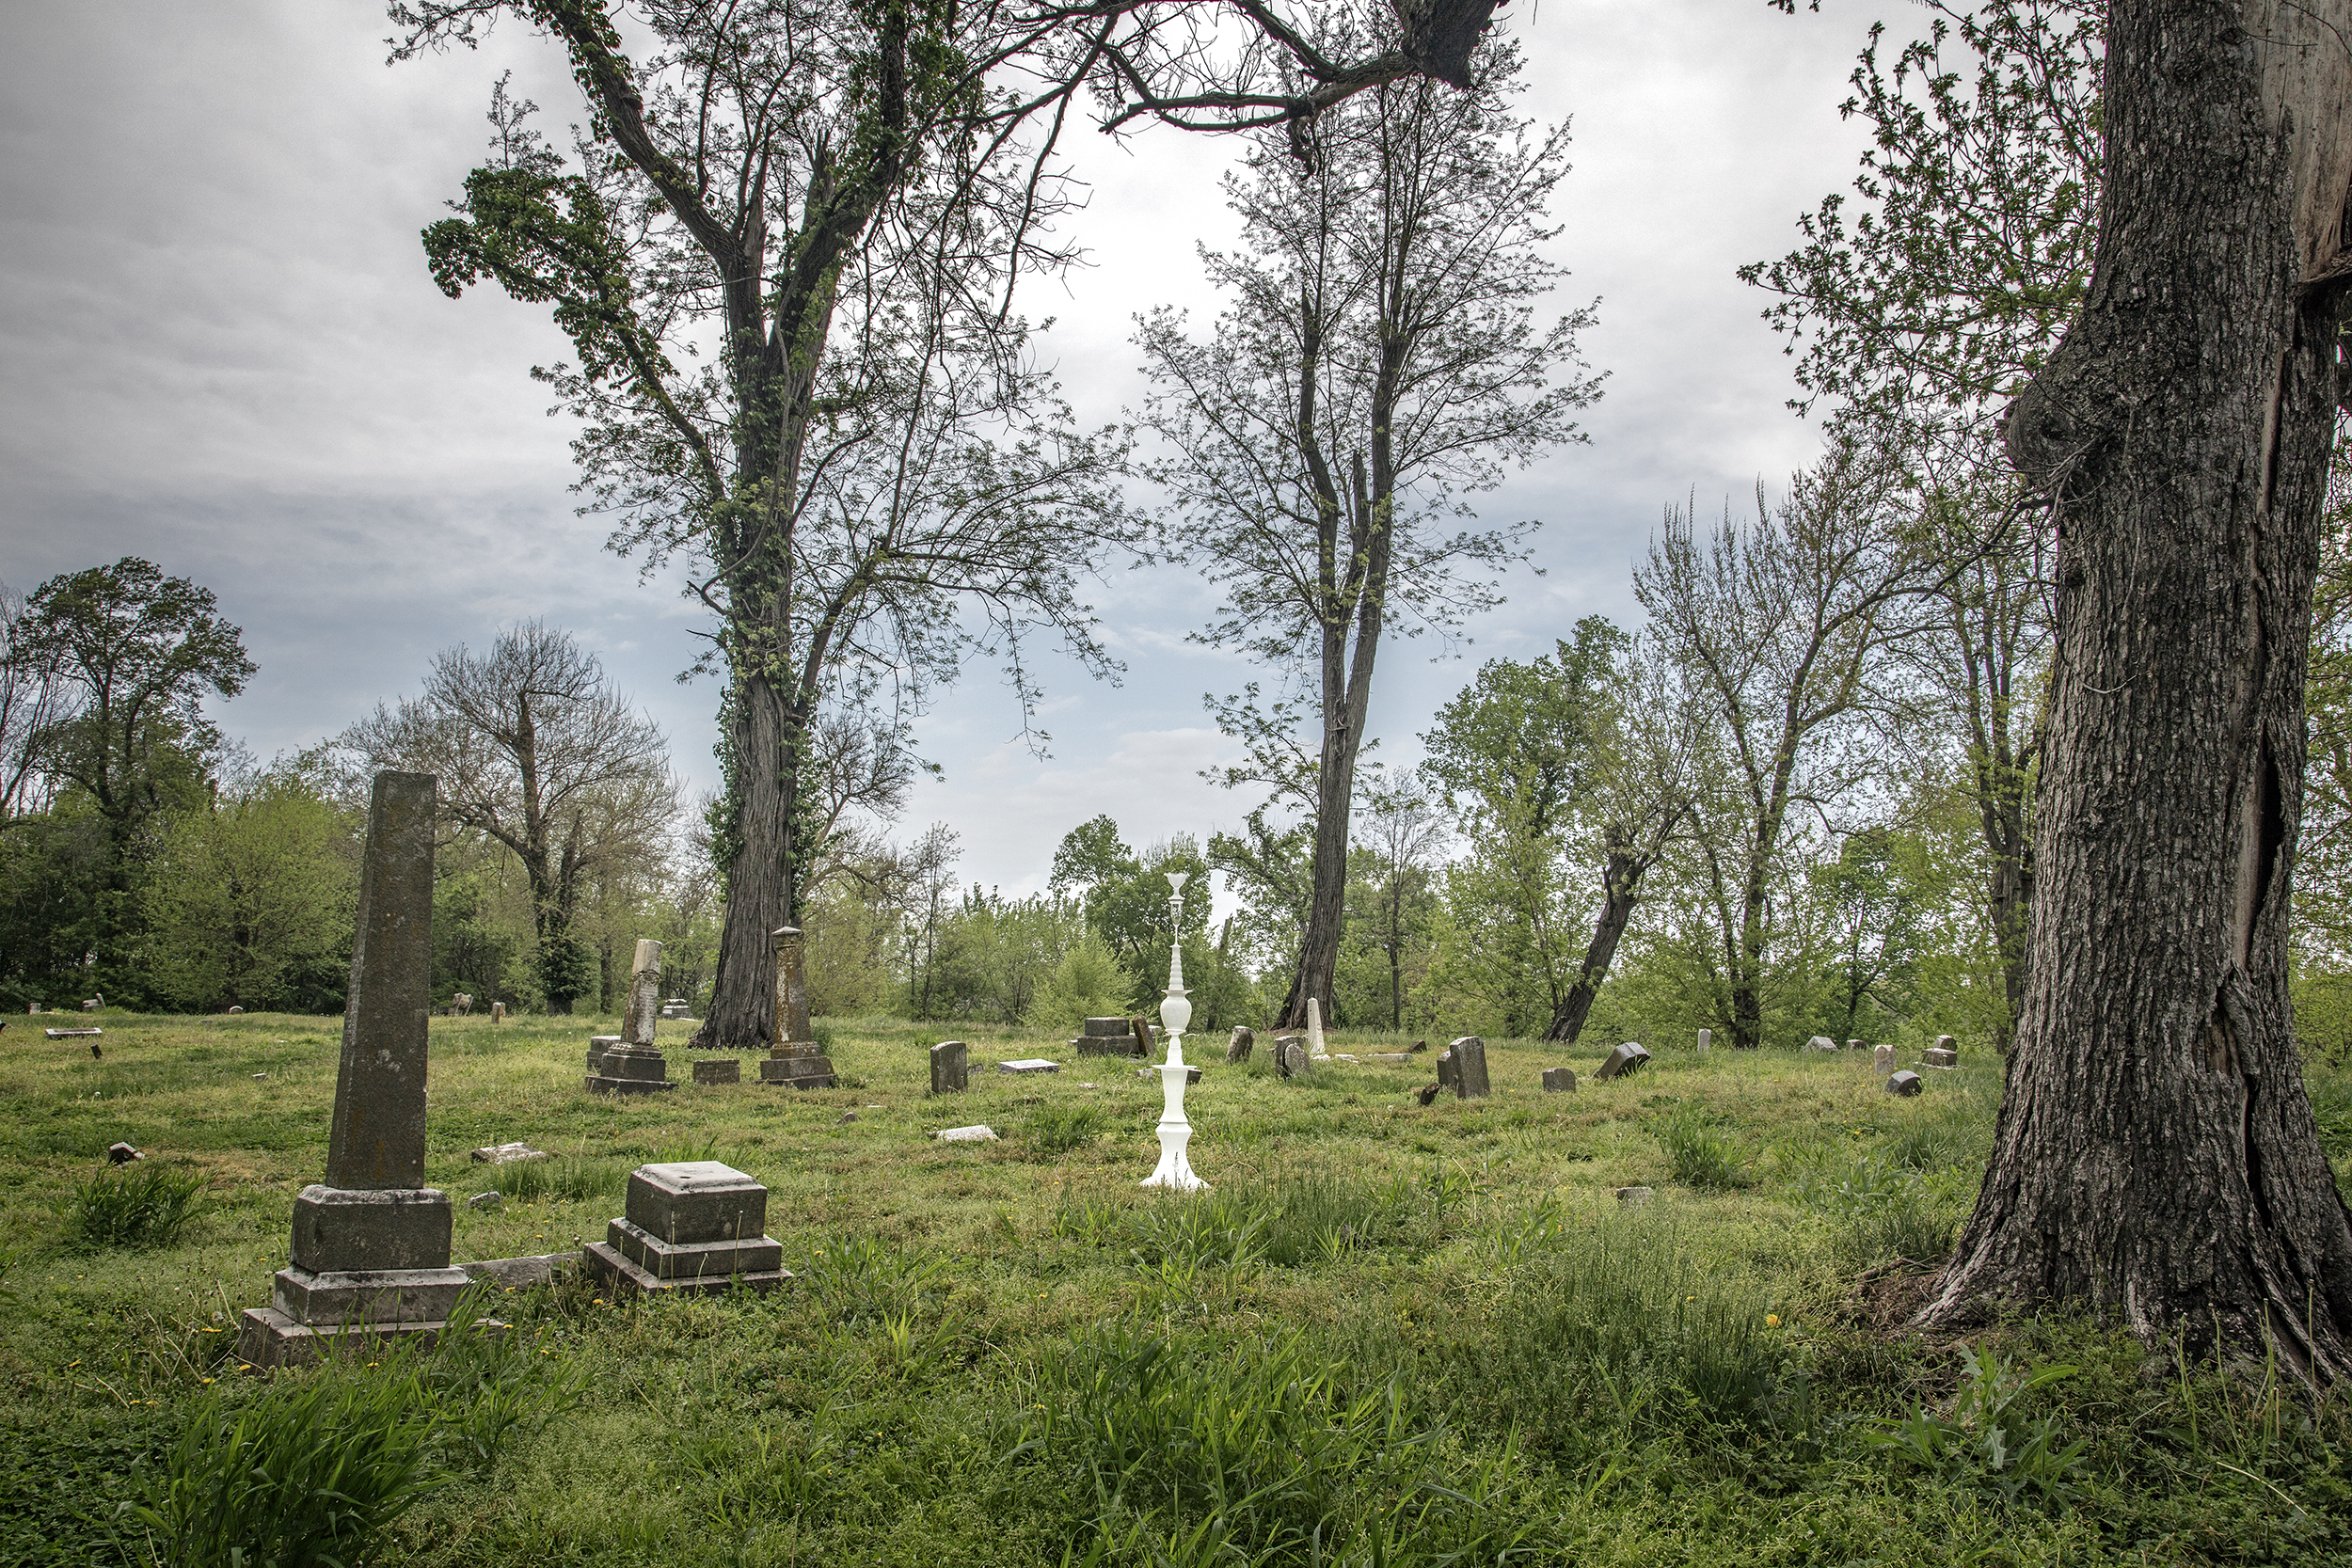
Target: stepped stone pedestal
<point>633,1064</point>
<point>631,1070</point>
<point>1110,1036</point>
<point>690,1228</point>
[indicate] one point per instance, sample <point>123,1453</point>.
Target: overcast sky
<point>224,353</point>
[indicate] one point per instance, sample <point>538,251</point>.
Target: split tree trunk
<point>1623,875</point>
<point>2155,1154</point>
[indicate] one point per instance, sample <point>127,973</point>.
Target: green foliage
<point>143,1204</point>
<point>1125,898</point>
<point>1703,1155</point>
<point>1986,1444</point>
<point>570,1177</point>
<point>1059,1129</point>
<point>311,1472</point>
<point>1085,982</point>
<point>1194,1451</point>
<point>567,971</point>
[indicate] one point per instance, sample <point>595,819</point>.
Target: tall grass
<point>139,1204</point>
<point>571,1178</point>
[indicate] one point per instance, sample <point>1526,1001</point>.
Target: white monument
<point>1173,1170</point>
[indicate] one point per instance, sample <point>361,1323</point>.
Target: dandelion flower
<point>1771,1320</point>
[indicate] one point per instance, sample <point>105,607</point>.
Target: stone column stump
<point>794,1058</point>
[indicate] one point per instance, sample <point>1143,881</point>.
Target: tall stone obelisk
<point>371,1244</point>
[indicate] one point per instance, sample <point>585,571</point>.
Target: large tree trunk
<point>759,890</point>
<point>2156,1153</point>
<point>1623,877</point>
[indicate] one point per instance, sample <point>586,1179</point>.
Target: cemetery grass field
<point>1389,1334</point>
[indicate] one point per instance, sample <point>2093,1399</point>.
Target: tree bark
<point>2155,1154</point>
<point>1622,877</point>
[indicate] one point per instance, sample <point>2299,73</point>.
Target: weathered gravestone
<point>1882,1059</point>
<point>1315,1047</point>
<point>1559,1080</point>
<point>1633,1197</point>
<point>794,1058</point>
<point>1449,1072</point>
<point>1429,1093</point>
<point>1237,1049</point>
<point>370,1243</point>
<point>951,1068</point>
<point>1706,1037</point>
<point>1820,1042</point>
<point>1106,1037</point>
<point>1938,1058</point>
<point>1854,1045</point>
<point>497,1012</point>
<point>1905,1084</point>
<point>1622,1060</point>
<point>724,1069</point>
<point>694,1227</point>
<point>1470,1067</point>
<point>635,1066</point>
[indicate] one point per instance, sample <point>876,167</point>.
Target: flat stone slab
<point>70,1034</point>
<point>598,1084</point>
<point>516,1273</point>
<point>622,1277</point>
<point>267,1337</point>
<point>1939,1056</point>
<point>1394,1058</point>
<point>965,1134</point>
<point>507,1154</point>
<point>1634,1196</point>
<point>728,1071</point>
<point>1029,1064</point>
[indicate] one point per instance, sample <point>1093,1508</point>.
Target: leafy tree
<point>141,651</point>
<point>1380,360</point>
<point>1392,900</point>
<point>36,696</point>
<point>253,895</point>
<point>872,481</point>
<point>1783,627</point>
<point>1124,896</point>
<point>534,749</point>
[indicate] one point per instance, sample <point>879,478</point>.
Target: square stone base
<point>598,1084</point>
<point>728,1071</point>
<point>621,1277</point>
<point>268,1338</point>
<point>377,1297</point>
<point>669,1260</point>
<point>802,1072</point>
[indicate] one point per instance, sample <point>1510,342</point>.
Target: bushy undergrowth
<point>1189,1451</point>
<point>143,1204</point>
<point>569,1178</point>
<point>1985,1442</point>
<point>311,1471</point>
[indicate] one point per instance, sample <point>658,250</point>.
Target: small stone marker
<point>676,1007</point>
<point>71,1033</point>
<point>1820,1042</point>
<point>507,1154</point>
<point>1706,1037</point>
<point>497,1012</point>
<point>1559,1080</point>
<point>1945,1042</point>
<point>1315,1047</point>
<point>486,1200</point>
<point>694,1227</point>
<point>122,1154</point>
<point>1237,1049</point>
<point>1634,1196</point>
<point>719,1071</point>
<point>951,1068</point>
<point>371,1244</point>
<point>1429,1093</point>
<point>1905,1084</point>
<point>1470,1067</point>
<point>1937,1057</point>
<point>845,1117</point>
<point>1882,1059</point>
<point>232,1009</point>
<point>1854,1045</point>
<point>597,1045</point>
<point>1293,1057</point>
<point>794,1058</point>
<point>965,1134</point>
<point>1106,1036</point>
<point>1623,1061</point>
<point>1420,1045</point>
<point>1029,1064</point>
